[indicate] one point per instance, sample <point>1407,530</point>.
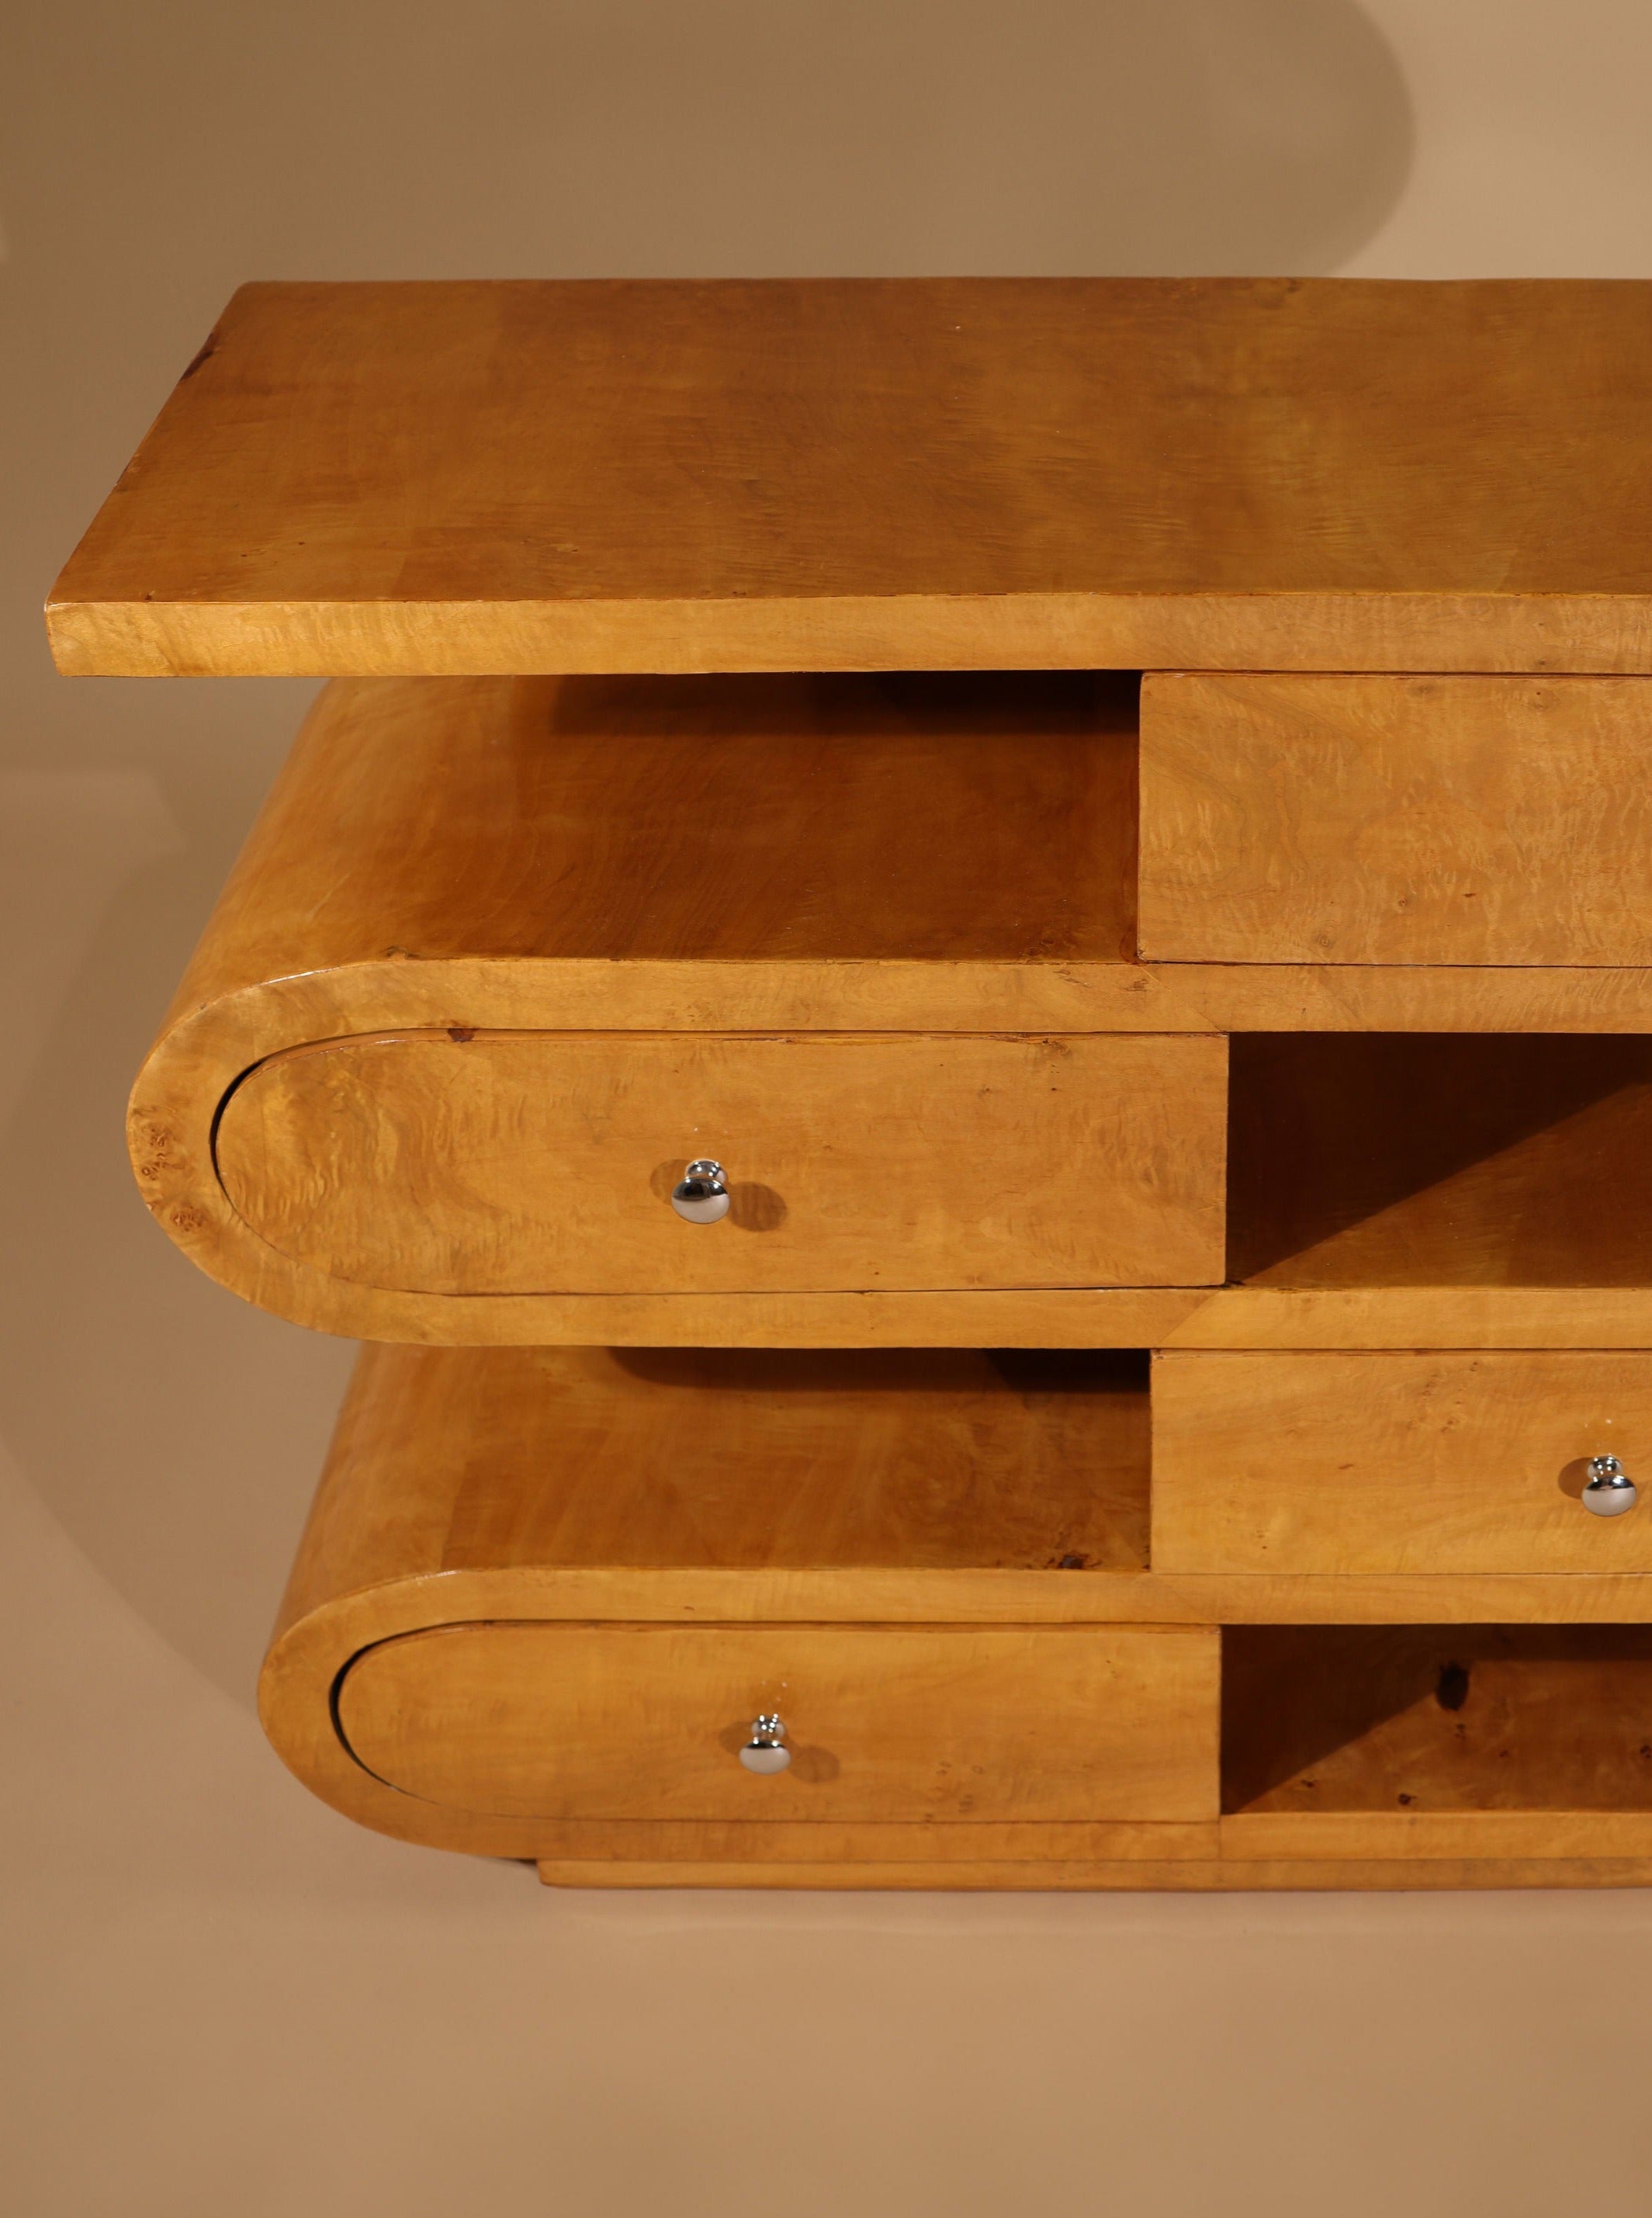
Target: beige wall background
<point>220,1998</point>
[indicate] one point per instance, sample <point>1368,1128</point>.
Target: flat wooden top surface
<point>941,473</point>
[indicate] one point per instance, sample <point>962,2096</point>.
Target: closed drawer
<point>1454,1462</point>
<point>525,1162</point>
<point>1396,820</point>
<point>551,1721</point>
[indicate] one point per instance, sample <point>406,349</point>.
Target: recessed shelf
<point>1390,1160</point>
<point>1425,1719</point>
<point>755,1458</point>
<point>907,817</point>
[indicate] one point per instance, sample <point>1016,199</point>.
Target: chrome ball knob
<point>700,1195</point>
<point>766,1752</point>
<point>1609,1490</point>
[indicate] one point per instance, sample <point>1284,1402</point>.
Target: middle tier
<point>502,958</point>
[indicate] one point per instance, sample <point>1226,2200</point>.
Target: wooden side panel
<point>1449,1462</point>
<point>514,1164</point>
<point>1295,819</point>
<point>612,1721</point>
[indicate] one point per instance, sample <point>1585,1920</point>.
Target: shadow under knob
<point>1609,1490</point>
<point>700,1195</point>
<point>766,1752</point>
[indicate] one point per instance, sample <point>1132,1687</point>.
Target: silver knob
<point>701,1194</point>
<point>1609,1490</point>
<point>766,1752</point>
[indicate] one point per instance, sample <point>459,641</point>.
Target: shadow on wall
<point>877,137</point>
<point>174,1432</point>
<point>736,137</point>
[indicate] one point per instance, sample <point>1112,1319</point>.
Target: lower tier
<point>903,1619</point>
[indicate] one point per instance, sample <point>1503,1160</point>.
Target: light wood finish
<point>737,853</point>
<point>817,1487</point>
<point>910,473</point>
<point>1378,1317</point>
<point>910,818</point>
<point>1453,1836</point>
<point>907,1725</point>
<point>915,1460</point>
<point>697,1593</point>
<point>1176,1874</point>
<point>1435,1463</point>
<point>816,1841</point>
<point>1382,1160</point>
<point>511,1163</point>
<point>955,1853</point>
<point>1396,820</point>
<point>444,854</point>
<point>1437,1740</point>
<point>506,950</point>
<point>470,1488</point>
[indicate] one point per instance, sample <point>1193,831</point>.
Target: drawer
<point>519,1162</point>
<point>551,1721</point>
<point>1396,820</point>
<point>1453,1462</point>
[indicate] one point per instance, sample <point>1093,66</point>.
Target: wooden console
<point>1122,838</point>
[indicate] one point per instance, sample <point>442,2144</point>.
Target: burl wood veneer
<point>1245,473</point>
<point>1116,812</point>
<point>1446,1462</point>
<point>501,956</point>
<point>544,1594</point>
<point>1343,819</point>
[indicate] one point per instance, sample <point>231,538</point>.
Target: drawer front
<point>610,1721</point>
<point>1396,820</point>
<point>524,1162</point>
<point>1455,1462</point>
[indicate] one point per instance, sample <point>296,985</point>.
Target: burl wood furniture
<point>982,1269</point>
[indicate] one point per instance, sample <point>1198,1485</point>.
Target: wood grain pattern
<point>784,820</point>
<point>1384,1160</point>
<point>908,473</point>
<point>894,1725</point>
<point>1474,1836</point>
<point>507,1479</point>
<point>1470,1835</point>
<point>489,934</point>
<point>419,1525</point>
<point>512,1163</point>
<point>1421,1721</point>
<point>1182,1876</point>
<point>661,854</point>
<point>761,1459</point>
<point>419,819</point>
<point>1396,820</point>
<point>402,1589</point>
<point>816,1841</point>
<point>1438,1463</point>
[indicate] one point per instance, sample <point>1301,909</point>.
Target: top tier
<point>513,478</point>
